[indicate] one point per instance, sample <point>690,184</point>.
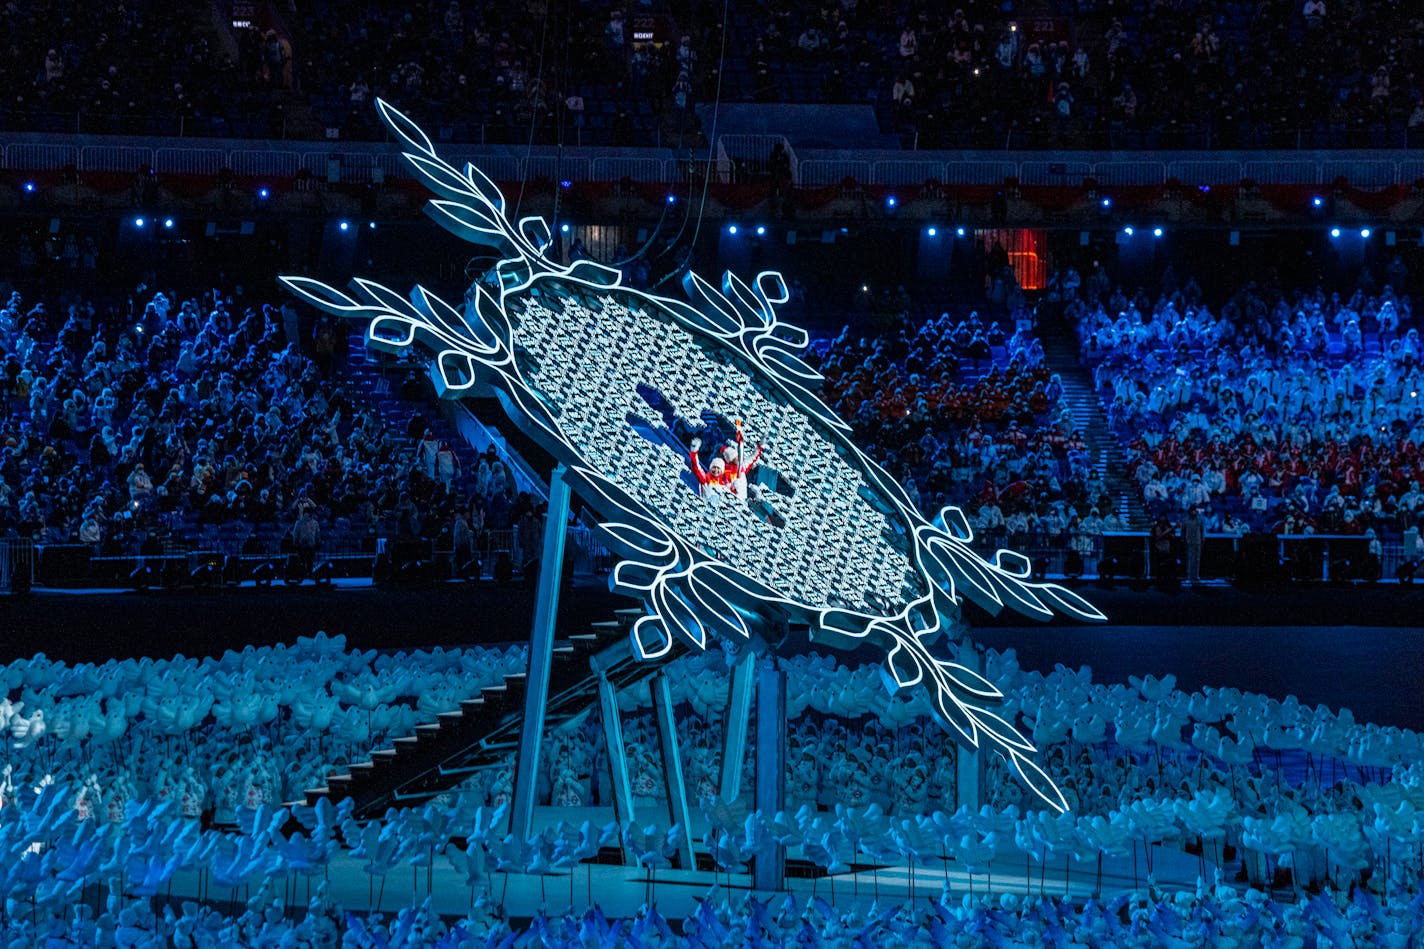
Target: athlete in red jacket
<point>718,468</point>
<point>725,470</point>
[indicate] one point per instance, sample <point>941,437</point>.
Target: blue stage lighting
<point>932,232</point>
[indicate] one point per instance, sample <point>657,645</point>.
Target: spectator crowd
<point>71,66</point>
<point>1286,411</point>
<point>965,412</point>
<point>497,73</point>
<point>1131,74</point>
<point>1136,74</point>
<point>217,419</point>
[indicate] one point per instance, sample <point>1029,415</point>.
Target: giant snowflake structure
<point>602,376</point>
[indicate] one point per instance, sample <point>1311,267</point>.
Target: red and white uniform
<point>733,475</point>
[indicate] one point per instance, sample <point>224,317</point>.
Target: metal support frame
<point>541,655</point>
<point>736,721</point>
<point>673,780</point>
<point>969,762</point>
<point>617,752</point>
<point>770,871</point>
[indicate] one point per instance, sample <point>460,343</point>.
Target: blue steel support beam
<point>617,752</point>
<point>735,723</point>
<point>969,762</point>
<point>770,795</point>
<point>541,655</point>
<point>673,779</point>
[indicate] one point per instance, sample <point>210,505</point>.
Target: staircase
<point>485,730</point>
<point>300,119</point>
<point>364,374</point>
<point>1062,355</point>
<point>525,456</point>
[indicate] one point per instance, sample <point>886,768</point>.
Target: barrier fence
<point>812,168</point>
<point>505,554</point>
<point>17,563</point>
<point>235,557</point>
<point>1130,555</point>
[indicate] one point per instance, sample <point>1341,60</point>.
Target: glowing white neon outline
<point>687,592</point>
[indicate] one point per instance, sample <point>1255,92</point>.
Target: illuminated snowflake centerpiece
<point>616,384</point>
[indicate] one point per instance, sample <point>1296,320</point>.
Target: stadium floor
<point>1357,648</point>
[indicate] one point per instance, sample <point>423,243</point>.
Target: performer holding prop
<point>726,470</point>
